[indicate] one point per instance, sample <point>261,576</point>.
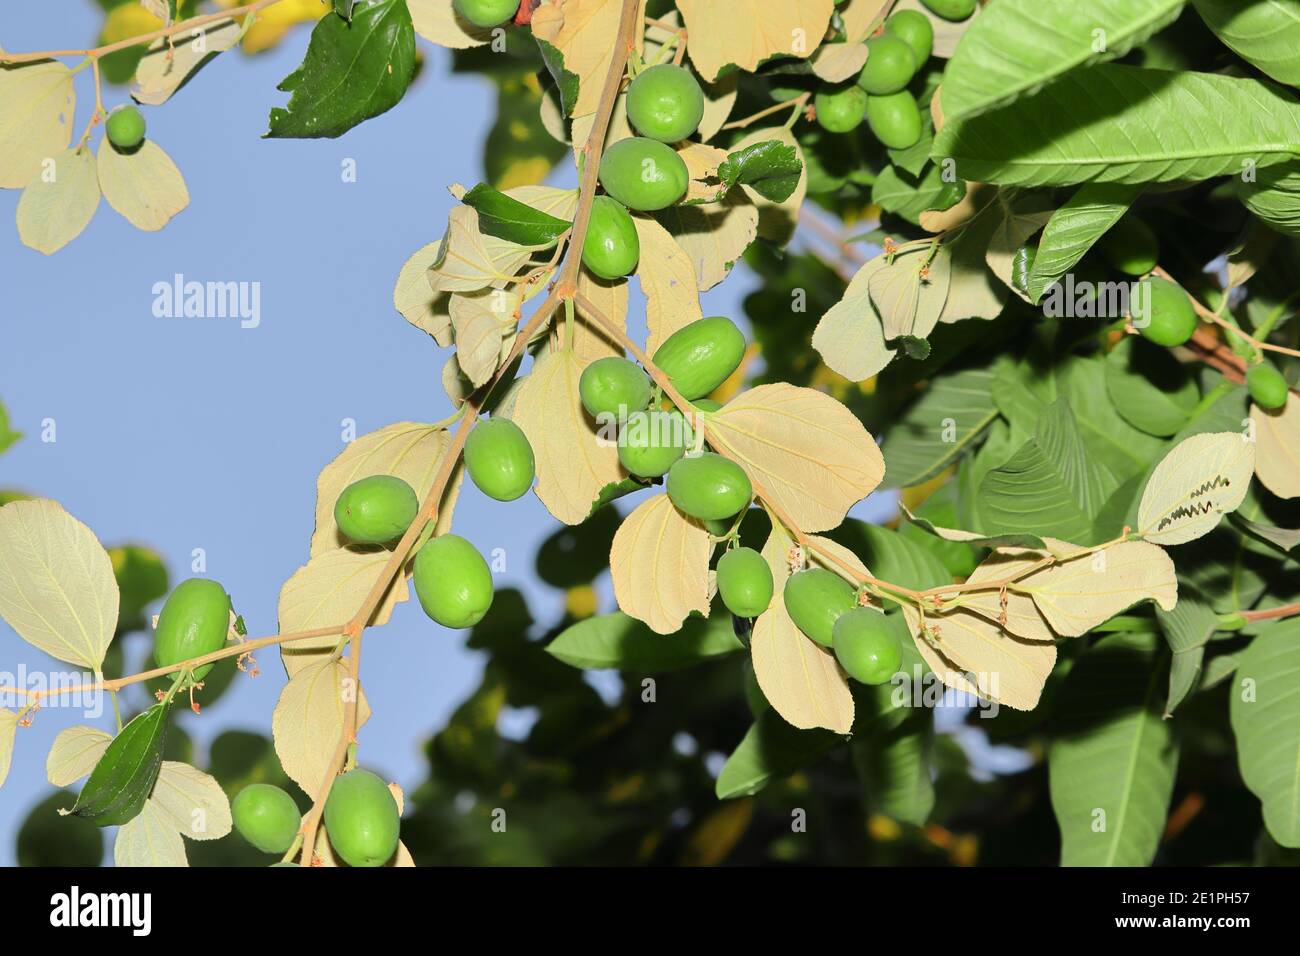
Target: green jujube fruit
<point>708,486</point>
<point>361,819</point>
<point>665,103</point>
<point>650,442</point>
<point>612,247</point>
<point>915,29</point>
<point>895,119</point>
<point>499,459</point>
<point>486,13</point>
<point>745,582</point>
<point>1131,247</point>
<point>890,65</point>
<point>613,386</point>
<point>266,817</point>
<point>701,356</point>
<point>951,9</point>
<point>125,127</point>
<point>1268,388</point>
<point>1172,320</point>
<point>708,405</point>
<point>452,581</point>
<point>865,646</point>
<point>375,510</point>
<point>815,599</point>
<point>194,621</point>
<point>643,174</point>
<point>840,108</point>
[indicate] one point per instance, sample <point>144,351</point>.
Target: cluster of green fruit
<point>125,128</point>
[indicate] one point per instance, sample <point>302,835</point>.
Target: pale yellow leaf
<point>74,753</point>
<point>746,33</point>
<point>590,340</point>
<point>560,203</point>
<point>909,294</point>
<point>850,337</point>
<point>1019,615</point>
<point>437,22</point>
<point>167,66</point>
<point>974,292</point>
<point>470,260</point>
<point>837,62</point>
<point>809,452</point>
<point>57,588</point>
<point>59,201</point>
<point>668,282</point>
<point>1277,451</point>
<point>660,565</point>
<point>719,97</point>
<point>415,299</point>
<point>482,321</point>
<point>191,802</point>
<point>145,186</point>
<point>150,839</point>
<point>307,724</point>
<point>573,463</point>
<point>713,236</point>
<point>585,32</point>
<point>702,164</point>
<point>8,729</point>
<point>777,221</point>
<point>37,102</point>
<point>860,17</point>
<point>1201,479</point>
<point>1009,236</point>
<point>943,220</point>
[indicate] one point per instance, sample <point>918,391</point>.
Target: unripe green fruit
<point>361,819</point>
<point>486,13</point>
<point>1022,265</point>
<point>815,599</point>
<point>745,582</point>
<point>915,29</point>
<point>125,127</point>
<point>895,119</point>
<point>840,108</point>
<point>708,405</point>
<point>612,247</point>
<point>650,442</point>
<point>266,817</point>
<point>865,646</point>
<point>285,863</point>
<point>452,581</point>
<point>613,387</point>
<point>1172,320</point>
<point>890,65</point>
<point>499,459</point>
<point>643,174</point>
<point>1131,247</point>
<point>708,486</point>
<point>194,621</point>
<point>701,356</point>
<point>1267,385</point>
<point>665,103</point>
<point>951,9</point>
<point>376,510</point>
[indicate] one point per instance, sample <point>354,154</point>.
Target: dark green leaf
<point>913,347</point>
<point>771,748</point>
<point>1069,234</point>
<point>892,756</point>
<point>1187,628</point>
<point>771,168</point>
<point>1284,539</point>
<point>621,642</point>
<point>1150,388</point>
<point>507,218</point>
<point>344,8</point>
<point>125,775</point>
<point>938,428</point>
<point>565,82</point>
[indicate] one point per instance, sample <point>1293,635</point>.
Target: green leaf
<point>1284,539</point>
<point>1265,714</point>
<point>1187,628</point>
<point>939,427</point>
<point>1112,760</point>
<point>565,81</point>
<point>1124,124</point>
<point>892,755</point>
<point>1015,47</point>
<point>771,168</point>
<point>507,218</point>
<point>890,556</point>
<point>125,775</point>
<point>913,159</point>
<point>975,540</point>
<point>1265,33</point>
<point>352,72</point>
<point>618,641</point>
<point>1116,444</point>
<point>1150,388</point>
<point>1274,197</point>
<point>1087,214</point>
<point>771,748</point>
<point>907,196</point>
<point>7,435</point>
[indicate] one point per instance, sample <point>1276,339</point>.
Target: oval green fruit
<point>744,582</point>
<point>708,486</point>
<point>701,356</point>
<point>951,9</point>
<point>1171,320</point>
<point>375,510</point>
<point>708,405</point>
<point>840,108</point>
<point>612,247</point>
<point>452,581</point>
<point>890,65</point>
<point>915,29</point>
<point>643,174</point>
<point>815,599</point>
<point>650,442</point>
<point>613,387</point>
<point>486,13</point>
<point>1022,264</point>
<point>1268,388</point>
<point>266,817</point>
<point>194,621</point>
<point>125,127</point>
<point>894,119</point>
<point>866,646</point>
<point>665,103</point>
<point>499,459</point>
<point>1131,247</point>
<point>361,819</point>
